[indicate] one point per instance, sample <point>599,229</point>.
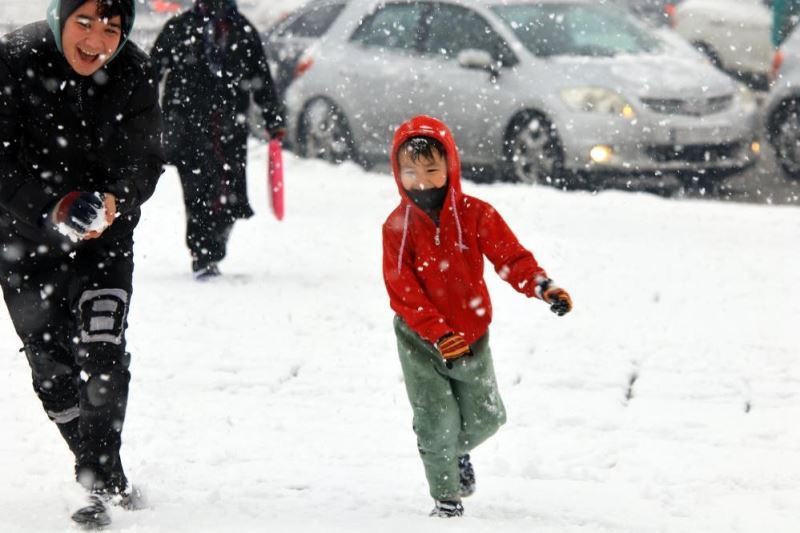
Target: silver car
<point>535,91</point>
<point>287,40</point>
<point>782,107</point>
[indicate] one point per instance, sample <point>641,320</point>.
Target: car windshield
<point>576,29</point>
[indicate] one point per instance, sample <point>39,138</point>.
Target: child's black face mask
<point>428,199</point>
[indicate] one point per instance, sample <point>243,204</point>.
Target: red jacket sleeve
<point>406,296</point>
<point>513,262</point>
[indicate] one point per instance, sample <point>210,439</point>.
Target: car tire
<point>533,152</point>
<point>324,133</point>
<point>784,135</point>
<point>708,51</point>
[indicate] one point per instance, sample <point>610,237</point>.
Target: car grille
<point>695,107</point>
<point>694,153</point>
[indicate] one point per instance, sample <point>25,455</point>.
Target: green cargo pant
<point>455,409</point>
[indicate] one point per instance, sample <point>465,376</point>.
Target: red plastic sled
<point>275,178</point>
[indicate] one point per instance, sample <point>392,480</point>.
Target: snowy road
<point>272,400</point>
<point>764,183</point>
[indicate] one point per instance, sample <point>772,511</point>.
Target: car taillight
<point>777,61</point>
<point>165,6</point>
<point>669,12</point>
<point>305,63</point>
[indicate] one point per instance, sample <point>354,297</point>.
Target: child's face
<point>89,41</point>
<point>424,173</point>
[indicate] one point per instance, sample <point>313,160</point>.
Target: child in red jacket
<point>433,248</point>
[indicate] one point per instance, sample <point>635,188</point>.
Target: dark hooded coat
<point>62,132</point>
<point>213,60</point>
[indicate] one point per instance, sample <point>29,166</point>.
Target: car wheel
<point>324,133</point>
<point>533,152</point>
<point>785,136</point>
<point>708,51</point>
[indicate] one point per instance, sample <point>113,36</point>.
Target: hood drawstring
<point>461,245</point>
<point>403,240</point>
<point>80,94</point>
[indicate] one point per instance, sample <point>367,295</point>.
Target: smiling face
<point>422,173</point>
<point>89,40</point>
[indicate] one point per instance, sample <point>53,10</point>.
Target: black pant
<point>70,312</point>
<point>214,181</point>
<point>207,231</point>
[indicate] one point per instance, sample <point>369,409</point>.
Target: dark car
<point>286,40</point>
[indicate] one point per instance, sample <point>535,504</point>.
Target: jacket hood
<point>215,7</point>
<point>425,126</point>
<point>56,24</point>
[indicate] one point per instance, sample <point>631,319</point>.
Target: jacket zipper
<point>436,238</point>
<point>80,95</point>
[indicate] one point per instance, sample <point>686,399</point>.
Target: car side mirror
<point>478,59</point>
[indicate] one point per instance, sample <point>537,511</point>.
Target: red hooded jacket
<point>434,276</point>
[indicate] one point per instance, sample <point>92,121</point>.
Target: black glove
<point>559,299</point>
<point>277,134</point>
<point>77,210</point>
<point>561,304</point>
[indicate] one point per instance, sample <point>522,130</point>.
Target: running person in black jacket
<point>214,61</point>
<point>79,153</point>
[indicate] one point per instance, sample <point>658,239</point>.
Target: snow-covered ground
<point>272,399</point>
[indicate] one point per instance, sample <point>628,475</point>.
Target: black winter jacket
<point>62,132</point>
<point>202,99</point>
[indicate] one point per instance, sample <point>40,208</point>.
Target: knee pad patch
<point>102,315</point>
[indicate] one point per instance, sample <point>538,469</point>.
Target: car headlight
<point>597,100</point>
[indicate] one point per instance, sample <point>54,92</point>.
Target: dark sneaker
<point>466,477</point>
<point>447,509</point>
<point>206,272</point>
<point>94,515</point>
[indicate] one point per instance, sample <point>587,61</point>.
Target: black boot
<point>94,515</point>
<point>205,272</point>
<point>466,476</point>
<point>447,509</point>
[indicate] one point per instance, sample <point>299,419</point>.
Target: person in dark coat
<point>214,60</point>
<point>80,152</point>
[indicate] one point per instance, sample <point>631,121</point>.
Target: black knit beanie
<point>69,6</point>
